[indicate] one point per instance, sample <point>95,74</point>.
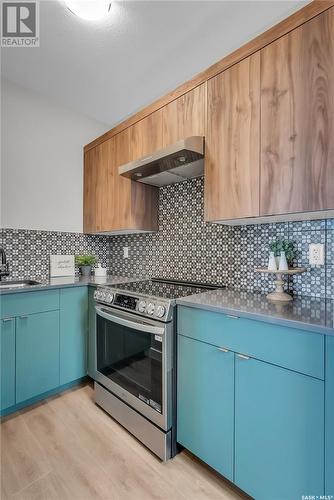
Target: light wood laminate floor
<point>66,448</point>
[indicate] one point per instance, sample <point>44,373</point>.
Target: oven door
<point>130,361</point>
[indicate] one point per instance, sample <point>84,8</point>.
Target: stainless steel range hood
<point>175,163</point>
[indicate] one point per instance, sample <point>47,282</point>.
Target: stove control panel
<point>125,301</point>
<point>145,306</point>
<point>103,295</point>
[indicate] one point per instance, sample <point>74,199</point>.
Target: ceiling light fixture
<point>90,10</point>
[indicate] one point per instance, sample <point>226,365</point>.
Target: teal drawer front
<point>73,333</point>
<point>205,403</point>
<point>296,350</point>
<point>91,332</point>
<point>7,368</point>
<point>279,432</point>
<point>37,354</point>
<point>29,303</point>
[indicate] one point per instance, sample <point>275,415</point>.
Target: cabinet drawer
<point>290,348</point>
<point>29,302</point>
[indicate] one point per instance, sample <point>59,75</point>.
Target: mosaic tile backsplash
<point>185,248</point>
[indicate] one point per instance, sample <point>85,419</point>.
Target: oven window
<point>132,359</point>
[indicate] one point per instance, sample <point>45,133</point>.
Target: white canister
<point>272,262</point>
<point>283,265</point>
<point>100,271</point>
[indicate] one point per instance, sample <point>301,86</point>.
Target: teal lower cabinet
<point>73,333</point>
<point>267,427</point>
<point>7,345</point>
<point>279,432</point>
<point>43,344</point>
<point>329,419</point>
<point>37,354</point>
<point>205,406</point>
<point>91,332</point>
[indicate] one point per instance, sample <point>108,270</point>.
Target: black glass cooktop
<point>166,289</point>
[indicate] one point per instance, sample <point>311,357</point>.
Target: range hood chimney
<point>175,163</point>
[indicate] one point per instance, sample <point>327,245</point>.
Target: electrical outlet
<point>125,252</point>
<point>316,254</point>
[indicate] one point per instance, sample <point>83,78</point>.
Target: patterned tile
<point>185,247</point>
<point>330,248</point>
<point>330,223</point>
<point>302,240</point>
<point>307,225</point>
<point>310,284</point>
<point>330,282</point>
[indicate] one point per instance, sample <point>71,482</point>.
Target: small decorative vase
<point>283,265</point>
<point>272,265</point>
<point>85,270</point>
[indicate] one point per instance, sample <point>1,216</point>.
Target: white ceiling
<point>108,70</point>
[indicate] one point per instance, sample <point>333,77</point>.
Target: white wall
<point>42,161</point>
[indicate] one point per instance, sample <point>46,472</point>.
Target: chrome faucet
<point>4,265</point>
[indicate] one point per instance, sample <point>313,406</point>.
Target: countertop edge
<point>38,288</point>
<point>79,282</point>
<point>298,325</point>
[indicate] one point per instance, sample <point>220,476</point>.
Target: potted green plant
<point>85,263</point>
<point>280,245</point>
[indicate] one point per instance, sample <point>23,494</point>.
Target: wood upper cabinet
<point>185,116</point>
<point>91,168</point>
<point>111,202</point>
<point>232,161</point>
<point>146,136</point>
<point>297,119</point>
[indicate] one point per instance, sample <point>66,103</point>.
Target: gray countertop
<point>63,282</point>
<point>316,315</point>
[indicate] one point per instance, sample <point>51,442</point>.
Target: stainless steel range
<point>135,357</point>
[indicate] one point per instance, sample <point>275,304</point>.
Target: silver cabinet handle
<point>223,349</point>
<point>5,320</point>
<point>230,316</point>
<point>242,356</point>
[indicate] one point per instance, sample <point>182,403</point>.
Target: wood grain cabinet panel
<point>146,136</point>
<point>185,116</point>
<point>111,202</point>
<point>297,119</point>
<point>232,142</point>
<point>90,181</point>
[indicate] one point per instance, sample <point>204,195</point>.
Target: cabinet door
<point>90,193</point>
<point>146,135</point>
<point>73,333</point>
<point>205,403</point>
<point>123,186</point>
<point>37,354</point>
<point>279,432</point>
<point>233,142</point>
<point>98,188</point>
<point>297,119</point>
<point>185,116</point>
<point>113,202</point>
<point>7,338</point>
<point>91,332</point>
<point>329,425</point>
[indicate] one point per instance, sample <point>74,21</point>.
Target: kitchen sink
<point>18,284</point>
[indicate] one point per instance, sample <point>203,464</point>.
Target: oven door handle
<point>131,324</point>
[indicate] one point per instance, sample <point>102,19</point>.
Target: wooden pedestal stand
<point>279,295</point>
